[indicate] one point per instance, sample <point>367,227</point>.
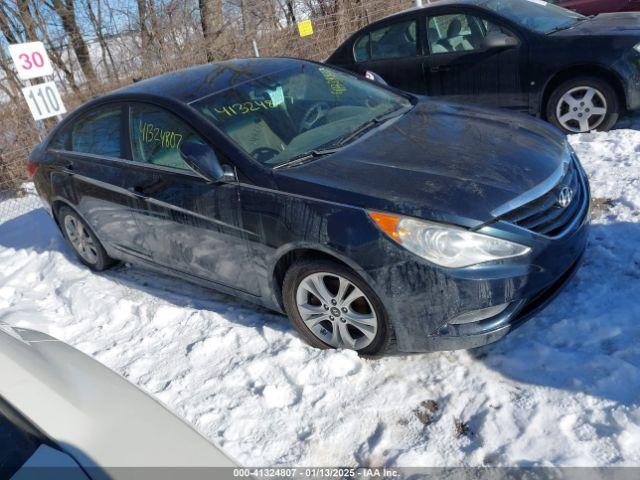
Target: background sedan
<point>578,72</point>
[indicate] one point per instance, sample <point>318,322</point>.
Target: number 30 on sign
<point>44,100</point>
<point>31,60</point>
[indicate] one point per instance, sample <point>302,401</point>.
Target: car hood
<point>440,161</point>
<point>606,24</point>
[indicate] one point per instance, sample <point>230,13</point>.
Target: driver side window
<point>156,136</point>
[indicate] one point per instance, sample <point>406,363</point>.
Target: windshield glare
<point>537,15</point>
<point>280,116</point>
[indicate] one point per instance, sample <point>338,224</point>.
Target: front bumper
<point>423,300</point>
<point>491,330</point>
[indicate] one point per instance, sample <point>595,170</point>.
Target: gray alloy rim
<point>336,311</point>
<point>81,239</point>
<point>582,109</point>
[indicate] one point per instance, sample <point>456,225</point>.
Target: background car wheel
<point>583,104</point>
<point>88,248</point>
<point>332,307</point>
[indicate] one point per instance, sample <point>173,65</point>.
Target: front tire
<point>83,241</point>
<point>583,104</point>
<point>332,307</point>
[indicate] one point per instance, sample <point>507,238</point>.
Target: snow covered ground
<point>564,389</point>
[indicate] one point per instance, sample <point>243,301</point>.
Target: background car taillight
<point>31,168</point>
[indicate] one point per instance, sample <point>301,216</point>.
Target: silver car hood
<point>92,413</point>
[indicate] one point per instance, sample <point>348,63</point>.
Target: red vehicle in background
<point>594,7</point>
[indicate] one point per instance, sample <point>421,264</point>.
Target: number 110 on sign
<point>44,100</point>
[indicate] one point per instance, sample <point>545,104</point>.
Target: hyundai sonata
<point>378,221</point>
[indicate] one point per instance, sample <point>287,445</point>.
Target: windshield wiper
<point>341,142</point>
<point>369,125</point>
<point>305,157</point>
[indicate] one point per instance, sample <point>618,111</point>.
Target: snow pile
<point>564,389</point>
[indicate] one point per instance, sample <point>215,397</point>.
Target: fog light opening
<point>479,315</point>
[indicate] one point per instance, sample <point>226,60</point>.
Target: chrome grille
<point>545,215</point>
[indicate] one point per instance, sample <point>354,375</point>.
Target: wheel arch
<point>59,203</point>
<point>592,70</point>
<point>291,254</point>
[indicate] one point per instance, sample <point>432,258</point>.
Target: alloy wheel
<point>81,239</point>
<point>582,109</point>
<point>336,311</point>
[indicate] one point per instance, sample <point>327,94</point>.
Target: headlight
<point>637,48</point>
<point>444,245</point>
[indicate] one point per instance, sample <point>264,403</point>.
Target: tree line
<point>99,45</point>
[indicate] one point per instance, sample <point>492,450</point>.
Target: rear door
<point>393,51</point>
<point>93,173</point>
<point>460,68</point>
<point>189,224</point>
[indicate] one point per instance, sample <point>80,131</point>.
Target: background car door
<point>189,224</point>
<point>459,68</point>
<point>394,52</point>
<point>94,174</point>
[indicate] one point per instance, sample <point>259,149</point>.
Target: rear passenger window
<point>394,41</point>
<point>99,133</point>
<point>62,139</point>
<point>156,136</point>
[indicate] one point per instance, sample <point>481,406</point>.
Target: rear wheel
<point>83,241</point>
<point>583,104</point>
<point>331,307</point>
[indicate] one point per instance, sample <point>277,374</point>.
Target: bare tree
<point>67,13</point>
<point>145,33</point>
<point>54,51</point>
<point>14,31</point>
<point>211,21</point>
<point>8,25</point>
<point>26,18</point>
<point>95,17</point>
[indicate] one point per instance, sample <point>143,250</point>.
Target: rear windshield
<point>537,15</point>
<point>282,115</point>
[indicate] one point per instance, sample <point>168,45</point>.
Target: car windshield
<point>537,15</point>
<point>299,111</point>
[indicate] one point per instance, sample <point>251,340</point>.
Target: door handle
<point>68,169</point>
<point>137,192</point>
<point>439,68</point>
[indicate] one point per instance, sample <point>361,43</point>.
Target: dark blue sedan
<point>377,221</point>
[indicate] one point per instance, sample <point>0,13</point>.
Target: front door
<point>460,68</point>
<point>394,52</point>
<point>189,224</point>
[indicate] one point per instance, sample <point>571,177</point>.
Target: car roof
<point>194,83</point>
<point>438,3</point>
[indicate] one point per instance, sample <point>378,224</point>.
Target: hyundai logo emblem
<point>565,196</point>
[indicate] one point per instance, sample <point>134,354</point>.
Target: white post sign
<point>31,60</point>
<point>44,100</point>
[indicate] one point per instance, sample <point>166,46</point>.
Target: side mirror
<point>498,40</point>
<point>205,161</point>
<point>374,77</point>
